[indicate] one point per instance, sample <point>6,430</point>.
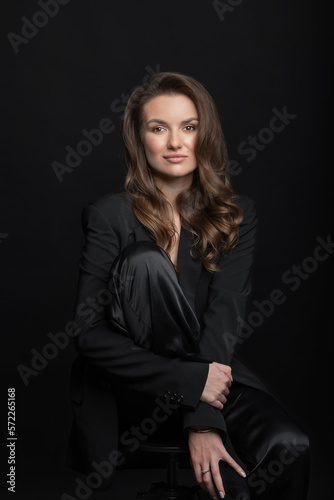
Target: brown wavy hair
<point>206,208</point>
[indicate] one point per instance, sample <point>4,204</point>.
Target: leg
<point>148,303</point>
<point>271,444</point>
<point>149,306</point>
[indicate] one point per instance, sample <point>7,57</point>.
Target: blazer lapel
<point>194,277</point>
<point>142,234</point>
<point>189,268</point>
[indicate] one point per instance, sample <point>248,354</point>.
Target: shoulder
<point>247,205</point>
<point>112,203</point>
<point>114,208</point>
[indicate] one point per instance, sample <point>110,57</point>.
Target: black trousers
<point>150,307</point>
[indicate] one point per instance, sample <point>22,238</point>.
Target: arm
<point>229,291</point>
<point>109,350</point>
<point>227,300</point>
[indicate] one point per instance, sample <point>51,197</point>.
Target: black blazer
<point>106,356</point>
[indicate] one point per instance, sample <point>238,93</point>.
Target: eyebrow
<point>162,122</point>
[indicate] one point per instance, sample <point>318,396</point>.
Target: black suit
<point>108,356</point>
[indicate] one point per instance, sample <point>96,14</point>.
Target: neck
<point>171,188</point>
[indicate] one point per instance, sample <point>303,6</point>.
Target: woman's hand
<point>206,450</point>
<point>217,384</point>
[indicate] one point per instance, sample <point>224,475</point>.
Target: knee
<point>135,263</point>
<point>143,255</point>
<point>290,443</point>
<point>140,250</point>
<point>296,442</point>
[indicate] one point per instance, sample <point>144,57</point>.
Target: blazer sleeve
<point>228,296</point>
<point>109,350</point>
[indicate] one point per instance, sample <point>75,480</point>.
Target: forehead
<point>169,107</point>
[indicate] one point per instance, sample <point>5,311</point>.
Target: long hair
<point>205,208</point>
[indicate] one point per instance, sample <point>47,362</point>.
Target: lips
<point>175,158</point>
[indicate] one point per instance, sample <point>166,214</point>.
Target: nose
<point>174,140</point>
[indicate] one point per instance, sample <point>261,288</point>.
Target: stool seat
<point>169,490</point>
<point>163,447</point>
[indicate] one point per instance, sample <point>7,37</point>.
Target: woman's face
<point>169,133</point>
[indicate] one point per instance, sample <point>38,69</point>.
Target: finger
<point>222,398</point>
<point>217,479</point>
<point>226,391</point>
<point>230,461</point>
<point>227,381</point>
<point>217,404</point>
<point>208,483</point>
<point>225,369</point>
<point>198,474</point>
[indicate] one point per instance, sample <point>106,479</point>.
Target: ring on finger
<point>205,471</point>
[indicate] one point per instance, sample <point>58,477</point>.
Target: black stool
<point>170,490</point>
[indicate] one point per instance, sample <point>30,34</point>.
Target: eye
<point>190,128</point>
<point>157,129</point>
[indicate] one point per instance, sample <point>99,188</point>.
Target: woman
<point>163,287</point>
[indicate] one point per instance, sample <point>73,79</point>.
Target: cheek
<point>190,143</point>
<point>152,145</point>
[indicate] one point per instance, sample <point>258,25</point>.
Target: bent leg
<point>271,444</point>
<point>150,307</point>
<point>148,302</point>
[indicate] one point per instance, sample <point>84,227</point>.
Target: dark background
<point>79,69</point>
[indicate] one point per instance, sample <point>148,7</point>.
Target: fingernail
<point>221,494</point>
<point>243,473</point>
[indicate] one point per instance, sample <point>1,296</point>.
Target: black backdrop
<point>68,69</point>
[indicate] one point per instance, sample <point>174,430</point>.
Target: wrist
<point>199,429</point>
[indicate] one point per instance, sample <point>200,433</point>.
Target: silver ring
<point>205,471</point>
